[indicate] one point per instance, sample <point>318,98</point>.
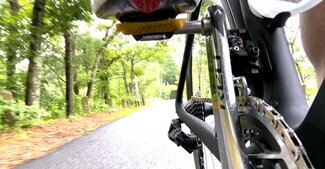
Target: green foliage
<point>169,71</point>
<point>307,75</point>
<point>14,38</point>
<point>99,105</point>
<point>14,114</point>
<point>61,14</point>
<point>304,68</point>
<point>148,62</point>
<point>2,71</point>
<point>200,69</point>
<point>78,105</point>
<point>86,50</point>
<point>53,101</point>
<point>53,81</point>
<point>160,79</point>
<point>167,91</point>
<point>18,85</point>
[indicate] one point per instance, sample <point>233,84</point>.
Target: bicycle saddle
<point>141,10</point>
<point>271,8</point>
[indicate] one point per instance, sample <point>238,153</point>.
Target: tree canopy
<point>57,59</point>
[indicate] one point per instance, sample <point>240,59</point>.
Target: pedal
<point>175,134</point>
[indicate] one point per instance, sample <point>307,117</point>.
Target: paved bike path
<point>138,141</point>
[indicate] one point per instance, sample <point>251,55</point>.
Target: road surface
<point>138,141</point>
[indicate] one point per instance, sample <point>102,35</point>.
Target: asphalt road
<point>138,141</point>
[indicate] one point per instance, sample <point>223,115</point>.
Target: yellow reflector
<point>141,28</point>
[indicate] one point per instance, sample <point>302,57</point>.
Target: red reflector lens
<point>146,6</point>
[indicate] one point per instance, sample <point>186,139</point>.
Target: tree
<point>65,61</point>
<point>68,72</point>
<point>124,75</point>
<point>107,39</point>
<point>11,49</point>
<point>137,56</point>
<point>62,14</point>
<point>14,33</point>
<point>14,4</point>
<point>35,60</point>
<point>169,71</point>
<point>85,58</point>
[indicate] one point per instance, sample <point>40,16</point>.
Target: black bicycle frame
<point>281,89</point>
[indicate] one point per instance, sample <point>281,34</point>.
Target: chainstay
<point>297,152</point>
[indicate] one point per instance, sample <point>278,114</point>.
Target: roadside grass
<point>20,145</point>
<point>123,113</point>
<point>114,116</point>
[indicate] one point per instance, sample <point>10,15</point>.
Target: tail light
<point>142,10</point>
<point>146,6</point>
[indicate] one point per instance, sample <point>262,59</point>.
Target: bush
<point>78,104</point>
<point>14,114</point>
<point>53,102</point>
<point>98,106</point>
<point>168,92</point>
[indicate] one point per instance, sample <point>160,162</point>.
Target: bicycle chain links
<point>294,154</point>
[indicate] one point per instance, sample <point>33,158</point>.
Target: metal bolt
<point>236,48</point>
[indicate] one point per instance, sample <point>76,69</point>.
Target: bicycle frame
<point>276,82</point>
<point>281,86</point>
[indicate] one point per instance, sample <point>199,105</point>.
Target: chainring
<point>269,141</point>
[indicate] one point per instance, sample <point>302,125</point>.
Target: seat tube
<point>223,94</point>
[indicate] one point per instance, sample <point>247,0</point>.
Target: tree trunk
<point>100,54</point>
<point>124,78</point>
<point>131,77</point>
<point>104,89</point>
<point>11,51</point>
<point>124,105</point>
<point>68,73</point>
<point>106,98</point>
<point>76,84</point>
<point>143,100</point>
<point>35,59</point>
<point>14,4</point>
<point>93,74</point>
<point>11,71</point>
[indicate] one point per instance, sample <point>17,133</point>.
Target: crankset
<point>269,141</point>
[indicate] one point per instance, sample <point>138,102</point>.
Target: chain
<point>195,106</point>
<point>292,151</point>
<point>297,154</point>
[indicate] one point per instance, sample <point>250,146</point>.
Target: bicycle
<point>252,79</point>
